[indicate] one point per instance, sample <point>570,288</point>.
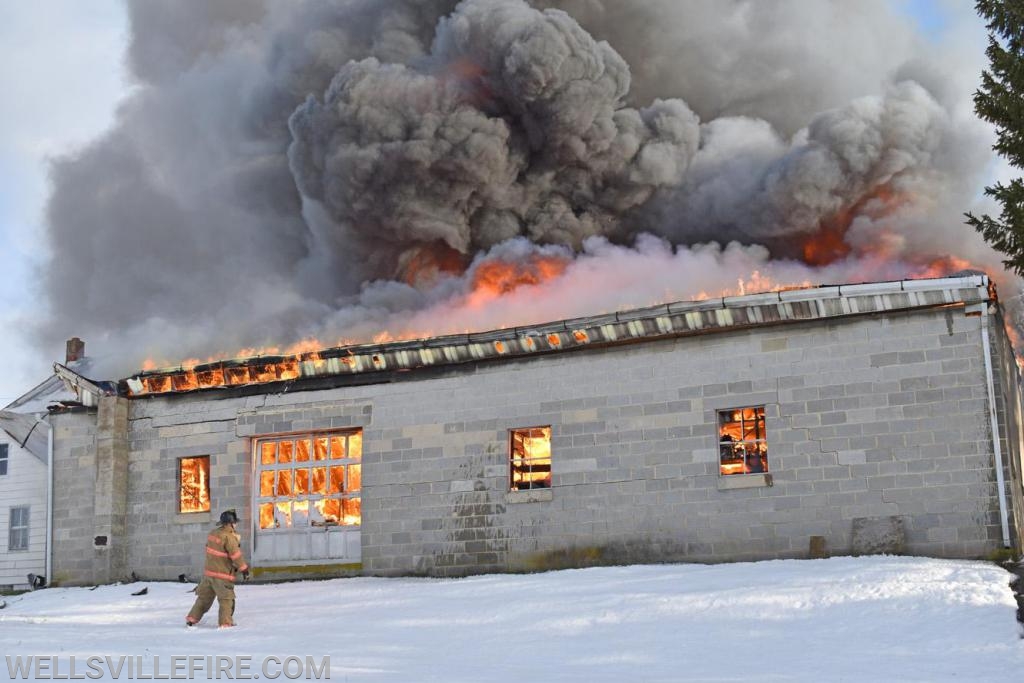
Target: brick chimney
<point>75,350</point>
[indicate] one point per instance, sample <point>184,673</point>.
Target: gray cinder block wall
<point>867,417</point>
<point>74,484</point>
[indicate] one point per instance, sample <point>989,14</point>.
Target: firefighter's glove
<point>245,575</point>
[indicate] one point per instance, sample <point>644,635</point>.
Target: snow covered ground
<point>853,619</point>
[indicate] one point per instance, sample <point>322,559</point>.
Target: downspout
<point>996,445</point>
<point>49,504</point>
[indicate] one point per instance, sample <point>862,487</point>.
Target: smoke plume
<point>366,169</point>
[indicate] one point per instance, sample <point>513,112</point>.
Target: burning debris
<point>388,169</point>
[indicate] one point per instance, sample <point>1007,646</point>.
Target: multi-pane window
<point>17,534</point>
<point>530,458</point>
<point>310,480</point>
<point>741,441</point>
<point>194,484</point>
<point>3,459</point>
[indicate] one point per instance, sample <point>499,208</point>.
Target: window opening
<point>530,459</point>
<point>194,484</point>
<point>310,480</point>
<point>17,536</point>
<point>742,445</point>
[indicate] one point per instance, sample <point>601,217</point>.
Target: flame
<point>943,266</point>
<point>194,490</point>
<point>495,278</point>
<point>755,283</point>
<point>266,515</point>
<point>828,244</point>
<point>424,266</point>
<point>531,458</point>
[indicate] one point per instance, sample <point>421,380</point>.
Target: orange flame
<point>829,244</point>
<point>492,279</point>
<point>943,266</point>
<point>194,486</point>
<point>757,283</point>
<point>423,266</point>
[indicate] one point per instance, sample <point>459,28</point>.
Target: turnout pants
<point>209,588</point>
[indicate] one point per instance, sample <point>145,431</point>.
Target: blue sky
<point>62,76</point>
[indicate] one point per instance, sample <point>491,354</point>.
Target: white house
<point>23,487</point>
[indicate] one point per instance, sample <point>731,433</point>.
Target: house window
<point>3,459</point>
<point>17,536</point>
<point>741,441</point>
<point>194,484</point>
<point>309,480</point>
<point>530,458</point>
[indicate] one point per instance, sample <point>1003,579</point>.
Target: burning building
<point>854,418</point>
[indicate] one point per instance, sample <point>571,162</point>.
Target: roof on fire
<point>374,363</point>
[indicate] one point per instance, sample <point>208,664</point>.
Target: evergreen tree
<point>1000,101</point>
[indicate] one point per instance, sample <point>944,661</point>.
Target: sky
<point>840,619</point>
<point>62,71</point>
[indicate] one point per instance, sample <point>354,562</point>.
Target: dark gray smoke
<point>290,170</point>
<point>514,125</point>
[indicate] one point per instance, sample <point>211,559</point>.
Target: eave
<point>372,363</point>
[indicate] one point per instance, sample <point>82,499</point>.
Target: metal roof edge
<point>665,320</point>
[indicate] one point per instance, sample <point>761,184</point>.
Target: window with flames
<point>310,480</point>
<point>194,484</point>
<point>742,445</point>
<point>530,459</point>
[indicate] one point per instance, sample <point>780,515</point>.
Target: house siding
<point>884,415</point>
<point>23,485</point>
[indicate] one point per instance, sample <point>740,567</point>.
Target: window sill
<point>529,496</point>
<point>192,518</point>
<point>744,481</point>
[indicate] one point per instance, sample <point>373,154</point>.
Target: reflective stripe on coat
<point>223,554</point>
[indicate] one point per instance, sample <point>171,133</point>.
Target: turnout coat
<point>223,554</point>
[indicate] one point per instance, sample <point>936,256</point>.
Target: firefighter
<point>223,559</point>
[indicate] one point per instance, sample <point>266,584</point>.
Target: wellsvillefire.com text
<point>174,668</point>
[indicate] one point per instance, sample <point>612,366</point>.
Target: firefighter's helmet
<point>229,517</point>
